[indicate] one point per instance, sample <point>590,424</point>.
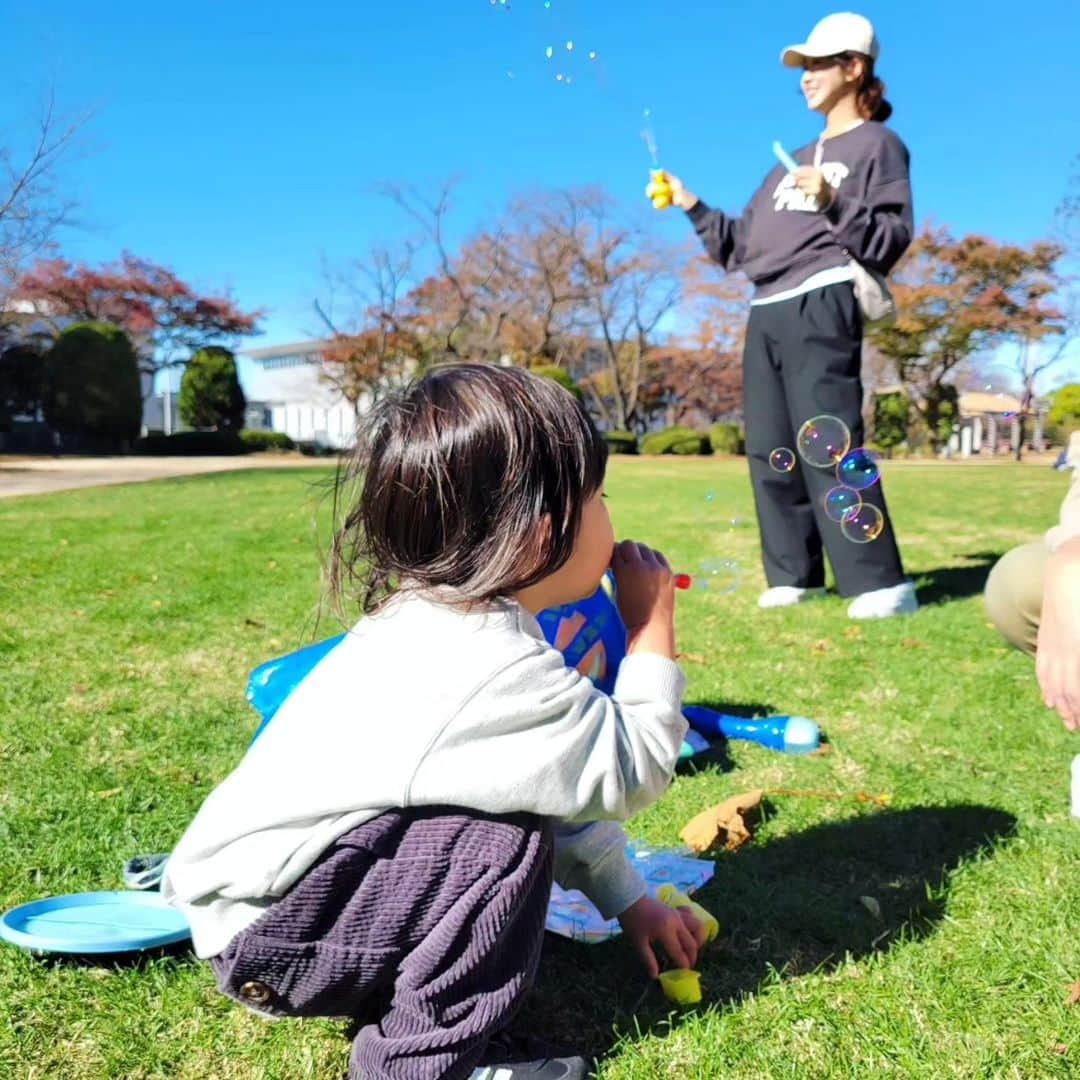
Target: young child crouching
<point>385,850</point>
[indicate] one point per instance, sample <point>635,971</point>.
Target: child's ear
<point>540,539</point>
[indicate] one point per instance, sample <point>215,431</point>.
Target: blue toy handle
<point>271,683</point>
<point>790,734</point>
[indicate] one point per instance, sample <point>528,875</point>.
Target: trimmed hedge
<point>92,388</point>
<point>621,442</point>
<point>676,440</point>
<point>727,439</point>
<point>316,449</point>
<point>194,443</point>
<point>258,440</point>
<point>210,393</point>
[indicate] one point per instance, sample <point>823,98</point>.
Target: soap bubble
<point>782,459</point>
<point>718,575</point>
<point>863,524</point>
<point>549,52</point>
<point>569,46</point>
<point>592,54</point>
<point>840,501</point>
<point>858,469</point>
<point>823,441</point>
<point>710,495</point>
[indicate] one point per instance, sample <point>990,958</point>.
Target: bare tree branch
<point>32,207</point>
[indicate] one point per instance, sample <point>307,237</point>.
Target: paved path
<point>37,475</point>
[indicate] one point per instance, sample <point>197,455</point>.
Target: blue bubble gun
<point>271,683</point>
<point>789,734</point>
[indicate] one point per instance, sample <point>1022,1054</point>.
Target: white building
<point>287,390</point>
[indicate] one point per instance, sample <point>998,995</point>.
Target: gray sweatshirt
<point>424,705</point>
<point>781,240</point>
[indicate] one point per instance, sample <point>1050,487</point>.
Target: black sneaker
<point>523,1057</point>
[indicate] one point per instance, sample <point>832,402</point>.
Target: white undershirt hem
<point>833,276</point>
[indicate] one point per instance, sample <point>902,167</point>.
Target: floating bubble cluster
<point>782,460</point>
<point>567,72</point>
<point>858,469</point>
<point>863,524</point>
<point>823,440</point>
<point>840,501</point>
<point>718,575</point>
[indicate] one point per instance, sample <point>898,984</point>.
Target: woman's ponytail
<point>871,95</point>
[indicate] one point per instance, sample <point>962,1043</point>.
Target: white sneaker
<point>883,603</point>
<point>786,595</point>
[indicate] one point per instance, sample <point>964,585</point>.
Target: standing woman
<point>849,199</point>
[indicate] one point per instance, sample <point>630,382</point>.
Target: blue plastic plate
<point>94,922</point>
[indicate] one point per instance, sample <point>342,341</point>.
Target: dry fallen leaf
<point>1059,1048</point>
<point>1074,994</point>
<point>853,633</point>
<point>693,658</point>
<point>108,794</point>
<point>726,823</point>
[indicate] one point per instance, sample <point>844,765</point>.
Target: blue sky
<point>238,143</point>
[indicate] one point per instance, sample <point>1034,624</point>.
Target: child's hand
<point>680,197</point>
<point>647,921</point>
<point>645,593</point>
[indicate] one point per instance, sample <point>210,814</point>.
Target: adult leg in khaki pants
<point>1014,594</point>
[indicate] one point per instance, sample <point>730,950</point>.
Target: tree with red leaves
<point>955,298</point>
<point>166,318</point>
<point>698,375</point>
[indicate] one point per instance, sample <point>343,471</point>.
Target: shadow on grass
<point>790,907</point>
<point>956,582</point>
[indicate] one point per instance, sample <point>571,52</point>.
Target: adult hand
<point>1057,656</point>
<point>680,196</point>
<point>647,921</point>
<point>812,183</point>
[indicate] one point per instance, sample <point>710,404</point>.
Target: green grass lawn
<point>130,617</point>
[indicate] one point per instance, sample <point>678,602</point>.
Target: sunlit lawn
<point>130,617</point>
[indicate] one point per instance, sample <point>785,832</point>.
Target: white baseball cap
<point>840,33</point>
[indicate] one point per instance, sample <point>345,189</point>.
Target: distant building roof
<point>294,349</point>
<point>977,402</point>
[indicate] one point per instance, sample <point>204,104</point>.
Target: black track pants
<point>802,360</point>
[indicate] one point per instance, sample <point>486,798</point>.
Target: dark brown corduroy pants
<point>426,922</point>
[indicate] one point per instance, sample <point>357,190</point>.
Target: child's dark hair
<point>472,480</point>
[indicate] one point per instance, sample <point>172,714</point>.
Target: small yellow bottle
<point>681,985</point>
<point>669,895</point>
<point>659,190</point>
